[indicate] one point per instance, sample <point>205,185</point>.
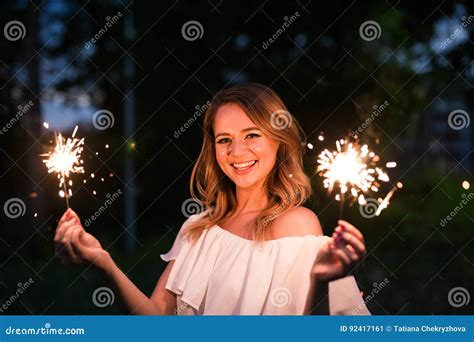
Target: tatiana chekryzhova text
<point>428,328</point>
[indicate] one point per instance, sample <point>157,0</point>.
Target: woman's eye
<point>252,135</point>
<point>223,141</point>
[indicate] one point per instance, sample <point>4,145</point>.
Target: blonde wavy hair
<point>287,186</point>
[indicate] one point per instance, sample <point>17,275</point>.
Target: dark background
<point>151,79</point>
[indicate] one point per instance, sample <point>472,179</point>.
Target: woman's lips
<point>243,168</point>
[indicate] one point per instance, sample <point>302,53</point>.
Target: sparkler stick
<point>65,190</point>
<point>341,206</point>
<point>65,159</point>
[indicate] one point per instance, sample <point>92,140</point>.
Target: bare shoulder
<point>297,221</point>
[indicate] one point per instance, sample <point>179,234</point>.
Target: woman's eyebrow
<point>242,131</point>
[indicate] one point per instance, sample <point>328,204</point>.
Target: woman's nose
<point>238,148</point>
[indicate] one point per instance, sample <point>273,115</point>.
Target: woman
<point>254,250</point>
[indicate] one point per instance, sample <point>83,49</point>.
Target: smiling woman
<point>254,250</point>
<point>247,162</point>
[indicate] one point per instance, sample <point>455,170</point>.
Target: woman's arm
<point>73,245</point>
<point>334,261</point>
<point>135,302</point>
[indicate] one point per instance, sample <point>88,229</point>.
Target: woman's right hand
<point>73,245</point>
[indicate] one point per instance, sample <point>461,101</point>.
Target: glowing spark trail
<point>352,168</point>
<point>384,203</point>
<point>64,160</point>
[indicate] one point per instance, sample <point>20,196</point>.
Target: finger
<point>81,249</point>
<point>332,243</point>
<point>349,247</point>
<point>70,252</point>
<point>66,216</point>
<point>345,259</point>
<point>61,249</point>
<point>337,237</point>
<point>346,248</point>
<point>344,239</point>
<point>59,238</point>
<point>76,243</point>
<point>354,242</point>
<point>346,226</point>
<point>351,253</point>
<point>350,228</point>
<point>62,229</point>
<point>73,214</point>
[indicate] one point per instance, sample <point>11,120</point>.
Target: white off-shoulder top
<point>224,274</point>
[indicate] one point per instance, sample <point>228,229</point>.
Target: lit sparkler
<point>64,160</point>
<point>351,168</point>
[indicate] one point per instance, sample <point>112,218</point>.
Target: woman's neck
<point>249,200</point>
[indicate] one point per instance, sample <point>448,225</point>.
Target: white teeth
<point>244,165</point>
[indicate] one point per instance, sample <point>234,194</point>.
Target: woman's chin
<point>245,183</point>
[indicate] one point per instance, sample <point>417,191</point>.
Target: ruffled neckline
<point>235,236</point>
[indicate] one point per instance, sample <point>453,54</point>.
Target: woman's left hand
<point>340,254</point>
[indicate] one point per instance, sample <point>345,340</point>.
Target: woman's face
<point>243,152</point>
